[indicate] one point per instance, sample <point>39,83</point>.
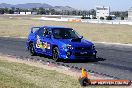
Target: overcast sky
<point>79,4</point>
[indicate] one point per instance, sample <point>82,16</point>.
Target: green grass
<point>19,27</point>
<point>18,75</point>
<point>15,75</point>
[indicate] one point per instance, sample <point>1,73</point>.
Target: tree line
<point>43,11</point>
<point>120,13</point>
<point>51,11</point>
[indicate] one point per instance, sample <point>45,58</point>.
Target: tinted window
<point>65,33</point>
<point>46,32</point>
<point>40,32</point>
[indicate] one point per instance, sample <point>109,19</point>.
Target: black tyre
<point>95,56</point>
<point>55,54</point>
<point>31,49</point>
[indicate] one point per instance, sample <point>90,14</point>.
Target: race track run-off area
<point>113,60</point>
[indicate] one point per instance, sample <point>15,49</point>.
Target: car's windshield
<point>65,33</point>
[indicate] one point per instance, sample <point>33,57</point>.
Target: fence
<point>128,22</point>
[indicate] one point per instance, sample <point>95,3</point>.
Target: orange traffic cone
<point>84,73</point>
<point>84,81</point>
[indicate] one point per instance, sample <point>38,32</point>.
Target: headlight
<point>67,46</point>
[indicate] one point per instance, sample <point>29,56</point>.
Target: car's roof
<point>52,27</point>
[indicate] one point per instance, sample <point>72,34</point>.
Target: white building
<point>22,13</point>
<point>102,11</point>
<point>28,13</point>
<point>130,14</point>
<point>34,13</point>
<point>25,13</point>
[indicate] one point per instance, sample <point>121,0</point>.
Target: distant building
<point>16,12</point>
<point>22,13</point>
<point>130,14</point>
<point>26,13</point>
<point>34,13</point>
<point>102,11</point>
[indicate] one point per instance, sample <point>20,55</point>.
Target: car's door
<point>47,41</point>
<point>32,36</point>
<point>39,41</point>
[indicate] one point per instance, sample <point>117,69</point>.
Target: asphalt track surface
<point>114,60</point>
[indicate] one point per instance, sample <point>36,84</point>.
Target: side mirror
<point>81,37</point>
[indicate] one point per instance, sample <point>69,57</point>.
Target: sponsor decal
<point>38,43</point>
<point>48,46</point>
<point>85,81</point>
<point>42,45</point>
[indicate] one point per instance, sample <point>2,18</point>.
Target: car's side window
<point>34,29</point>
<point>46,32</point>
<point>40,32</point>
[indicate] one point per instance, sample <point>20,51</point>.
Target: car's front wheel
<point>31,49</point>
<point>55,54</point>
<point>95,56</point>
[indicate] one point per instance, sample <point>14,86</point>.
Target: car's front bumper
<point>77,54</point>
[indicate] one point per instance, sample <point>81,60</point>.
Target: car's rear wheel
<point>31,49</point>
<point>55,54</point>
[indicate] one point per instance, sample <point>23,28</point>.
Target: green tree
<point>101,18</point>
<point>109,18</point>
<point>52,11</point>
<point>41,11</point>
<point>6,10</point>
<point>74,12</point>
<point>122,18</point>
<point>2,11</point>
<point>92,12</point>
<point>11,11</point>
<point>17,10</point>
<point>47,12</point>
<point>34,9</point>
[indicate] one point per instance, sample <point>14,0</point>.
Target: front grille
<point>83,48</point>
<point>79,54</point>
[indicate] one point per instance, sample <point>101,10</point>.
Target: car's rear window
<point>34,29</point>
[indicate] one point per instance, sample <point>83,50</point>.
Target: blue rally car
<point>60,43</point>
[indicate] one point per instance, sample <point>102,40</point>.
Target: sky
<point>115,5</point>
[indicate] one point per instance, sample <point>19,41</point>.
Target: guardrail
<point>129,22</point>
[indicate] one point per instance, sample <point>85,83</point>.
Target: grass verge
<point>16,75</point>
<point>18,26</point>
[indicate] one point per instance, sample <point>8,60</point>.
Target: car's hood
<point>76,43</point>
